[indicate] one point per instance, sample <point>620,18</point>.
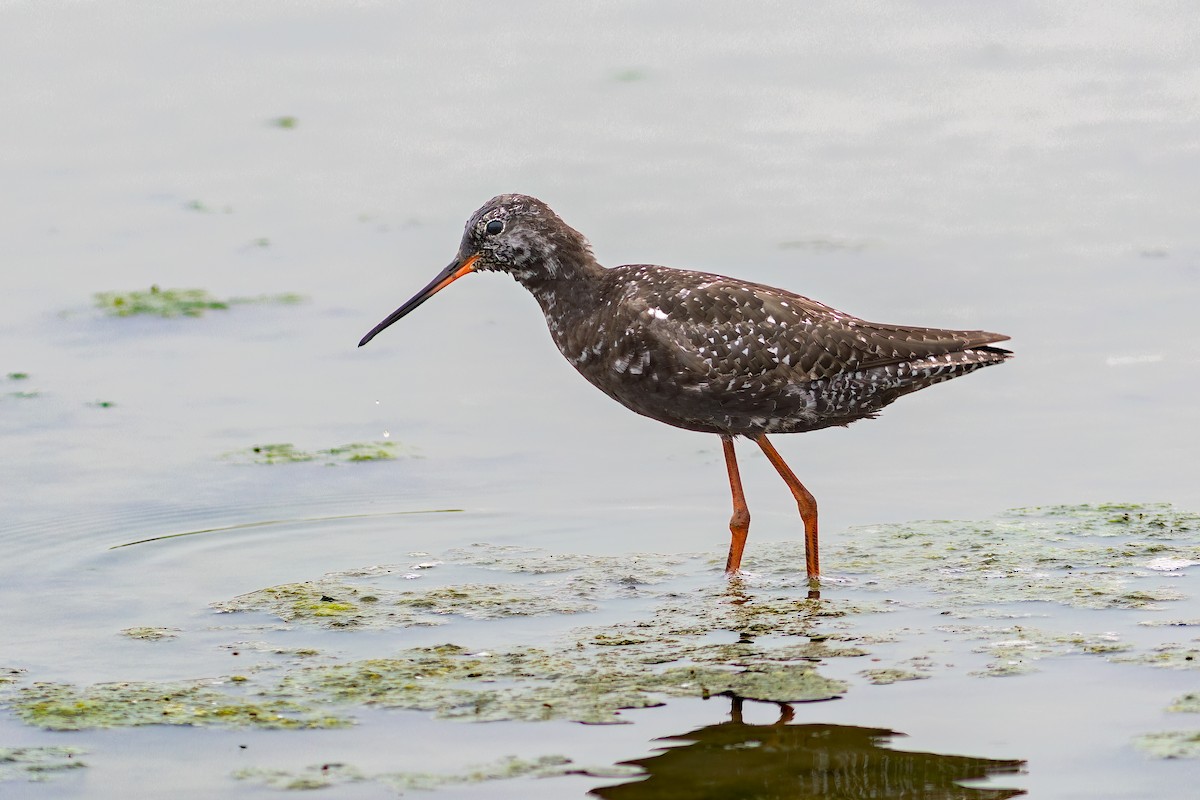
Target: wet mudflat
<point>242,556</point>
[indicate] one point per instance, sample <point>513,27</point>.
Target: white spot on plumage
<point>638,367</point>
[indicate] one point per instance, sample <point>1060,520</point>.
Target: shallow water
<point>1018,169</point>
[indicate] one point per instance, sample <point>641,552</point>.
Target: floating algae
<point>320,776</point>
<point>331,603</point>
<point>148,634</point>
<point>160,302</point>
<point>38,763</point>
<point>65,707</point>
<point>1016,648</point>
<point>634,569</point>
<point>762,637</point>
<point>1170,656</point>
<point>454,683</point>
<point>888,675</point>
<point>286,453</point>
<point>589,674</point>
<point>325,775</point>
<point>1188,703</point>
<point>23,394</point>
<point>1079,556</point>
<point>535,684</point>
<point>1170,744</point>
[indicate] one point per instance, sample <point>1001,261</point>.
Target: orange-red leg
<point>739,523</point>
<point>804,499</point>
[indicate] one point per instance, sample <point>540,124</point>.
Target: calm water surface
<point>1024,169</point>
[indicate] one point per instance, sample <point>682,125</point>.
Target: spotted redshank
<point>705,352</point>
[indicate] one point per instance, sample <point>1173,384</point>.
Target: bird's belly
<point>735,406</point>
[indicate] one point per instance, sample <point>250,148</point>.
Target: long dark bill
<point>444,278</point>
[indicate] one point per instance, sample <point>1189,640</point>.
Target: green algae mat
<point>673,627</point>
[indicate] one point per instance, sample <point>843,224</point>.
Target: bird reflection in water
<point>734,760</point>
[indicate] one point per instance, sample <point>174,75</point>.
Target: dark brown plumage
<point>706,352</point>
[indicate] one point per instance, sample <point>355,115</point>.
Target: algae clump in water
<point>160,302</point>
<point>65,707</point>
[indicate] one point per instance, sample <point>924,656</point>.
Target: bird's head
<point>512,233</point>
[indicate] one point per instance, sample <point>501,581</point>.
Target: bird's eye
<point>494,227</point>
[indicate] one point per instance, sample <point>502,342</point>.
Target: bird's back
<point>722,355</point>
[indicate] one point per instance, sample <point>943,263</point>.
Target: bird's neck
<point>564,287</point>
<point>568,292</point>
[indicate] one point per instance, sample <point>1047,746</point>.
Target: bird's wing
<point>724,326</point>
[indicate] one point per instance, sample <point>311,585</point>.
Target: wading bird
<point>706,352</point>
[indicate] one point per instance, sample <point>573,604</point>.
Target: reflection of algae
<point>177,302</point>
<point>65,707</point>
<point>1170,744</point>
<point>335,604</point>
<point>285,453</point>
<point>326,775</point>
<point>1080,556</point>
<point>38,763</point>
